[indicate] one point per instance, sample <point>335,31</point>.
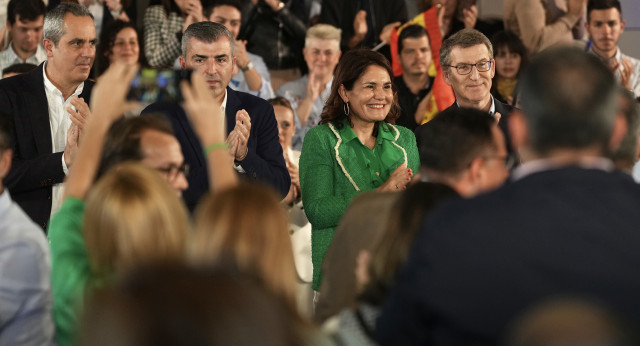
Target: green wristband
<point>215,146</point>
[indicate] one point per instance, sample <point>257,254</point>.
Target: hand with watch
<point>242,59</point>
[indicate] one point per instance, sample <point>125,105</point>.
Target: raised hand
<point>239,137</point>
<point>385,34</point>
<point>470,17</point>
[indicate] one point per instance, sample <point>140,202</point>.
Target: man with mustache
<point>49,106</point>
<point>605,26</point>
<point>414,85</point>
<point>252,132</point>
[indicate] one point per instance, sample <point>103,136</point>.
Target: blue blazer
<point>264,161</point>
<point>35,168</point>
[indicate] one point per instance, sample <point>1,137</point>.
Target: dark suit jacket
<point>478,263</point>
<point>264,161</point>
<point>504,110</point>
<point>35,168</point>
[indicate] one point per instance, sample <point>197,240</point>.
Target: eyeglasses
<point>465,69</point>
<point>509,160</point>
<point>172,171</point>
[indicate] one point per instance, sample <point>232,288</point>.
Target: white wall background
<point>629,42</point>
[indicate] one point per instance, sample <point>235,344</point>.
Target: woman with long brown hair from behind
<point>246,227</point>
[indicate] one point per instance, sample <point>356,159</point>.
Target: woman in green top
<point>355,148</point>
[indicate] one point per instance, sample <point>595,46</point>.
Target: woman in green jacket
<point>355,148</point>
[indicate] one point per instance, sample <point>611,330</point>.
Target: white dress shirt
<point>59,122</point>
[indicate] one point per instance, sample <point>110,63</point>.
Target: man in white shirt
<point>44,103</point>
<point>25,19</point>
<point>605,26</point>
<point>25,291</point>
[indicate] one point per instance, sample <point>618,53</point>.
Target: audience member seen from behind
<point>464,149</point>
<point>560,202</point>
<point>163,28</point>
<point>17,69</point>
<point>375,271</point>
<point>128,218</point>
<point>25,298</point>
<point>605,27</point>
<point>177,305</point>
<point>338,285</point>
<point>118,42</point>
<point>356,148</point>
<point>309,93</point>
<point>25,20</point>
<point>626,156</point>
<point>246,227</point>
<point>511,58</point>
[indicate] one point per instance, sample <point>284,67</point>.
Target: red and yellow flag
<point>441,93</point>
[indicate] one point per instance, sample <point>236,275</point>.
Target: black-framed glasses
<point>465,69</point>
<point>172,171</point>
<point>509,160</point>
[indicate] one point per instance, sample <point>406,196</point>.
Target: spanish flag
<point>441,93</point>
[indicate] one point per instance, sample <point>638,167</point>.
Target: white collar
<point>541,165</point>
<point>492,109</point>
<point>223,105</point>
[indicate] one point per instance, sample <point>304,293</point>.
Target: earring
<point>345,108</point>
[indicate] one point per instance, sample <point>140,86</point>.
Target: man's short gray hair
<point>54,20</point>
<point>464,38</point>
<point>206,32</point>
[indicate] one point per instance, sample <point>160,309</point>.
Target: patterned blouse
<point>161,31</point>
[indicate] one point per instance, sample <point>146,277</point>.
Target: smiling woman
<point>356,147</point>
<point>118,41</point>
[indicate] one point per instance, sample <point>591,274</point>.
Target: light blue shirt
<point>238,83</point>
<point>295,91</point>
<point>25,289</point>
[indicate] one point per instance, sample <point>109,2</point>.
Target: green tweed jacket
<point>335,166</point>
